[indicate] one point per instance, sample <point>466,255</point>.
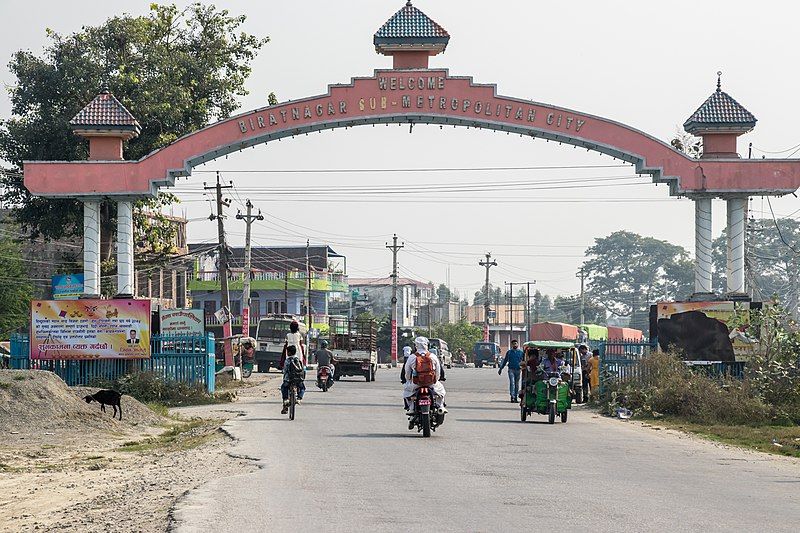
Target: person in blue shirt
<point>513,359</point>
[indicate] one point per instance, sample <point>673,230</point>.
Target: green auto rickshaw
<point>547,393</point>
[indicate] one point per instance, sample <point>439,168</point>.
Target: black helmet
<point>323,344</point>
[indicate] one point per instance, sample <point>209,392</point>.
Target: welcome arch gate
<point>412,92</point>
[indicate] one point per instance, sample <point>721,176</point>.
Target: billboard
<point>90,329</point>
<point>67,286</point>
<point>713,330</point>
<point>182,322</point>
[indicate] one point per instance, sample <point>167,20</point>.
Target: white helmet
<point>421,343</point>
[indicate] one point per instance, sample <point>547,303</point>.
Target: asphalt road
<point>349,463</point>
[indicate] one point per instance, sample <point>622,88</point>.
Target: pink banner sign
<point>90,329</point>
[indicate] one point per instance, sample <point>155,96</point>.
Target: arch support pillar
<point>703,240</point>
<point>737,214</point>
<point>91,247</point>
<point>125,248</point>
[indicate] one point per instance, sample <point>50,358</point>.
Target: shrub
<point>149,387</point>
<point>667,386</point>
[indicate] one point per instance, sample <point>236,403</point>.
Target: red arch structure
<point>413,93</point>
<point>415,97</point>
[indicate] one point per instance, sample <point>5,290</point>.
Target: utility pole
<point>248,219</point>
<point>582,274</point>
<point>308,288</point>
<point>527,306</point>
<point>528,311</point>
<point>511,313</point>
<point>223,266</point>
<point>395,248</point>
<point>487,264</point>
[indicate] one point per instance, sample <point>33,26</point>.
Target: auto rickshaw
<point>547,393</point>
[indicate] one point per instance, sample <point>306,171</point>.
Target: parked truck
<point>354,346</point>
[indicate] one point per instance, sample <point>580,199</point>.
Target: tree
<point>443,293</point>
<point>175,70</point>
<point>16,289</point>
<point>688,144</point>
<point>594,312</point>
<point>628,272</point>
<point>772,261</point>
<point>462,335</point>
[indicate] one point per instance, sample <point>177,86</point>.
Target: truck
<point>271,338</point>
<point>354,345</point>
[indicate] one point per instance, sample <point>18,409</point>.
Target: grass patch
<point>760,438</point>
<point>158,408</point>
<point>149,387</point>
<point>185,436</point>
<point>19,377</point>
<point>5,385</point>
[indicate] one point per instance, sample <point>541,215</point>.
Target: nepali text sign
<point>182,322</point>
<point>67,286</point>
<point>90,329</point>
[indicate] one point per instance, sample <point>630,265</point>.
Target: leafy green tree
<point>594,313</point>
<point>462,335</point>
<point>16,289</point>
<point>176,70</point>
<point>772,261</point>
<point>628,272</point>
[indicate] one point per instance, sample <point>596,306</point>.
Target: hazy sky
<point>646,64</point>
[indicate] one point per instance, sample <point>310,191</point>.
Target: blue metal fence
<point>619,362</point>
<point>187,359</point>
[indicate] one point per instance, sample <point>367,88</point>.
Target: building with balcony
<point>278,281</point>
<point>375,295</point>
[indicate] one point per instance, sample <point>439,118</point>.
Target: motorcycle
<point>324,378</point>
<point>427,417</point>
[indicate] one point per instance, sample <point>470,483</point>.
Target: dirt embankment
<point>65,465</point>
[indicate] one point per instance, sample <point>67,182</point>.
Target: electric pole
<point>223,267</point>
<point>248,219</point>
<point>582,274</point>
<point>487,264</point>
<point>511,312</point>
<point>395,248</point>
<point>308,287</point>
<point>527,306</point>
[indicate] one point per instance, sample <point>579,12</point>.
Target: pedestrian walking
<point>512,359</point>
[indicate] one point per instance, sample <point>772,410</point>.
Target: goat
<point>106,397</point>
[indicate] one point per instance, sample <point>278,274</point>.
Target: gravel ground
<point>62,465</point>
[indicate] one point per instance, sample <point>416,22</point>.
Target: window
<point>270,308</point>
<point>236,307</point>
<point>209,306</point>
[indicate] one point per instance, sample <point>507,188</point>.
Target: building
<point>502,329</point>
<point>375,295</point>
<point>163,281</point>
<point>278,281</point>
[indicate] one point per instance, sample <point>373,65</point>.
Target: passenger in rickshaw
<point>530,371</point>
<point>553,362</point>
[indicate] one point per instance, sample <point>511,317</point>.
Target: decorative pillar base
<point>125,249</point>
<point>91,248</point>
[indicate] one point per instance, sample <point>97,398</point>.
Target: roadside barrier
<point>188,359</point>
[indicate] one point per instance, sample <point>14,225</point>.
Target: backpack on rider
<point>424,373</point>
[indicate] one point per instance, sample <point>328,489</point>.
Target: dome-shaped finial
<point>408,4</point>
<point>719,80</point>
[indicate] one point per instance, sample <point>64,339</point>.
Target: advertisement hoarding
<point>67,286</point>
<point>182,322</point>
<point>90,329</point>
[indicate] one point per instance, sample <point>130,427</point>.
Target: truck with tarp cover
<point>553,331</point>
<point>354,344</point>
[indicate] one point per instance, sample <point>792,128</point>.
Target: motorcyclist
<point>293,369</point>
<point>324,357</point>
<point>409,388</point>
